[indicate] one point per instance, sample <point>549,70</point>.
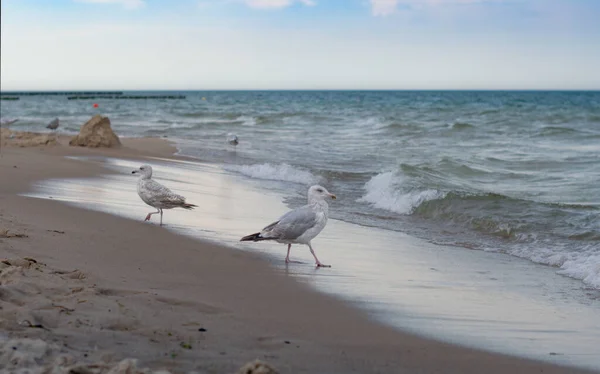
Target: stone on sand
<point>95,133</point>
<point>257,367</point>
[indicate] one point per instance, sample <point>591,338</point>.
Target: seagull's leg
<point>150,214</point>
<point>287,258</point>
<point>319,264</point>
<point>160,217</point>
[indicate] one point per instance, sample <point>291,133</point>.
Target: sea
<point>513,172</point>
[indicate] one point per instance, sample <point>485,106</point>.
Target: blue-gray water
<point>511,172</point>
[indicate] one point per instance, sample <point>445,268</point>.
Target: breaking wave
<point>385,191</point>
<point>538,231</point>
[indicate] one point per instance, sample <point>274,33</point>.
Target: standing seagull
<point>232,139</point>
<point>53,125</point>
<point>300,225</point>
<point>156,195</point>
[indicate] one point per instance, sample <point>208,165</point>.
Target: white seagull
<point>232,139</point>
<point>53,125</point>
<point>300,225</point>
<point>156,195</point>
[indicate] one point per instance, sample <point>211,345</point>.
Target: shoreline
<point>253,309</point>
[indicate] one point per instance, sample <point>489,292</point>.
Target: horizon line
<point>13,92</point>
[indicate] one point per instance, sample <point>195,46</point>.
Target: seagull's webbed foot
<point>148,217</point>
<point>320,265</point>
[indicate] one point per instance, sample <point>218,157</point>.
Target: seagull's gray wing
<point>292,224</point>
<point>157,193</point>
<point>53,124</point>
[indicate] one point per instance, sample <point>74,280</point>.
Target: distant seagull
<point>156,195</point>
<point>232,139</point>
<point>300,225</point>
<point>8,121</point>
<point>53,125</point>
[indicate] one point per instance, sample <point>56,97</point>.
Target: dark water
<point>514,172</point>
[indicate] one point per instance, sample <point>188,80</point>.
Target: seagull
<point>156,195</point>
<point>7,121</point>
<point>300,225</point>
<point>53,125</point>
<point>232,139</point>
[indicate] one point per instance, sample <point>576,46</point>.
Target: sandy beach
<point>81,287</point>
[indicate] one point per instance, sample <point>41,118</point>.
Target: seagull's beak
<point>332,196</point>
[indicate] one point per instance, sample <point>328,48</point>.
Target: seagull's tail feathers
<point>253,238</point>
<point>188,206</point>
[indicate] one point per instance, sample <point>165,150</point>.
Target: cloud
<point>383,7</point>
<point>128,4</point>
<point>387,7</point>
<point>273,4</point>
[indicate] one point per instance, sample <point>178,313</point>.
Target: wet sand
<point>104,288</point>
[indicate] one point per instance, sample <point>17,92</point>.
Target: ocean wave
<point>202,118</point>
<point>180,125</point>
<point>399,127</point>
<point>517,220</point>
<point>460,125</point>
<point>196,114</point>
<point>386,191</point>
<point>538,239</point>
<point>277,172</point>
<point>279,117</point>
<point>246,120</point>
<point>344,176</point>
<point>583,264</point>
<point>507,217</point>
<point>556,130</point>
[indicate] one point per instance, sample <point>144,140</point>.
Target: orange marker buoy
<point>95,105</point>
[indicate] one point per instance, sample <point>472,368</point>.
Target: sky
<point>299,44</point>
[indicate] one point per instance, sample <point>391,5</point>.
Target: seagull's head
<point>145,171</point>
<point>319,193</point>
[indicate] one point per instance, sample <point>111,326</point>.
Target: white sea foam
<point>181,125</point>
<point>247,120</point>
<point>583,264</point>
<point>385,191</point>
<point>278,172</point>
<point>585,267</point>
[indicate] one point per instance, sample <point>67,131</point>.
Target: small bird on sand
<point>156,195</point>
<point>232,139</point>
<point>53,125</point>
<point>300,225</point>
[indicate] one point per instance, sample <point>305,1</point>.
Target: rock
<point>96,133</point>
<point>257,367</point>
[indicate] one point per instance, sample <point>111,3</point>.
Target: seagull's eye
<point>319,190</point>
